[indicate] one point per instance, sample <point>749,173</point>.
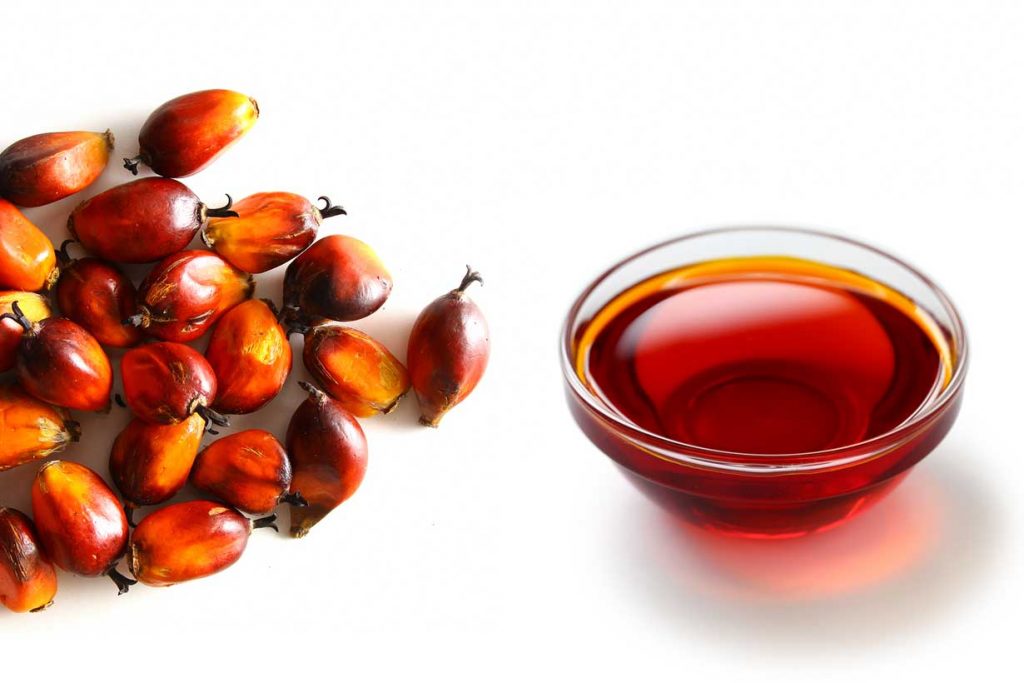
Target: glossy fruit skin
<point>339,278</point>
<point>448,351</point>
<point>98,296</point>
<point>80,520</point>
<point>27,258</point>
<point>249,470</point>
<point>166,382</point>
<point>31,429</point>
<point>44,168</point>
<point>184,135</point>
<point>355,369</point>
<point>250,354</point>
<point>138,222</point>
<point>186,541</point>
<point>61,363</point>
<point>36,307</point>
<point>271,229</point>
<point>28,580</point>
<point>187,292</point>
<point>149,463</point>
<point>327,449</point>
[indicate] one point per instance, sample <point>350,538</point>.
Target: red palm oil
<point>754,368</point>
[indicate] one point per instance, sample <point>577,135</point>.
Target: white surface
<point>541,141</point>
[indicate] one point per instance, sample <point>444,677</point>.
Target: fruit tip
<point>41,607</point>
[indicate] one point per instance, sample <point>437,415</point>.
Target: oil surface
<point>763,355</point>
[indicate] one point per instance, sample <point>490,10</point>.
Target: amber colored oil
<point>764,355</point>
<point>772,358</point>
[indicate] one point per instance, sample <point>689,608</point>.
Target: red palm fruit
<point>31,429</point>
<point>271,228</point>
<point>149,463</point>
<point>59,362</point>
<point>188,541</point>
<point>98,296</point>
<point>186,293</point>
<point>250,354</point>
<point>339,278</point>
<point>448,351</point>
<point>187,133</point>
<point>327,449</point>
<point>28,581</point>
<point>248,469</point>
<point>166,382</point>
<point>141,221</point>
<point>44,168</point>
<point>355,369</point>
<point>27,258</point>
<point>80,520</point>
<point>35,307</point>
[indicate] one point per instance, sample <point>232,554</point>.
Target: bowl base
<point>763,519</point>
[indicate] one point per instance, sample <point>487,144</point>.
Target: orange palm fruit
<point>35,307</point>
<point>271,228</point>
<point>327,449</point>
<point>184,135</point>
<point>339,278</point>
<point>43,168</point>
<point>250,354</point>
<point>98,296</point>
<point>141,221</point>
<point>355,369</point>
<point>31,429</point>
<point>186,293</point>
<point>249,470</point>
<point>166,382</point>
<point>448,351</point>
<point>80,520</point>
<point>149,463</point>
<point>28,581</point>
<point>59,362</point>
<point>27,257</point>
<point>186,541</point>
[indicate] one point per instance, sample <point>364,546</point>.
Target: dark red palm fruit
<point>355,369</point>
<point>28,580</point>
<point>327,449</point>
<point>339,278</point>
<point>166,382</point>
<point>186,293</point>
<point>149,463</point>
<point>249,470</point>
<point>184,135</point>
<point>80,520</point>
<point>31,429</point>
<point>27,258</point>
<point>271,229</point>
<point>59,362</point>
<point>448,351</point>
<point>43,168</point>
<point>250,354</point>
<point>186,541</point>
<point>35,308</point>
<point>98,296</point>
<point>141,221</point>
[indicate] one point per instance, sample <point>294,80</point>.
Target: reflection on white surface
<point>898,565</point>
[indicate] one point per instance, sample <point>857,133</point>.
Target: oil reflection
<point>901,564</point>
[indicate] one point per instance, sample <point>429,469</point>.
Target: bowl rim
<point>688,453</point>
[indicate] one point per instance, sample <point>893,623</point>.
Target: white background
<point>541,141</point>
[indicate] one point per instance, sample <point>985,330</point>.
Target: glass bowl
<point>781,495</point>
